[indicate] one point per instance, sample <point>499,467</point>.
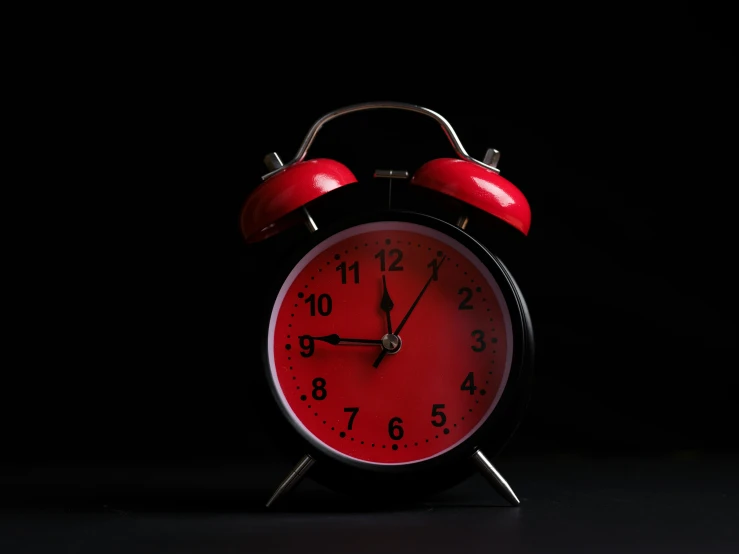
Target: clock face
<point>389,343</point>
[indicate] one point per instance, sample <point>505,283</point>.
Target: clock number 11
<point>354,268</point>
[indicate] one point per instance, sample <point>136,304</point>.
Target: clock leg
<point>494,478</point>
<point>309,223</point>
<point>292,479</point>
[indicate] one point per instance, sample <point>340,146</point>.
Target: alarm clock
<point>397,348</point>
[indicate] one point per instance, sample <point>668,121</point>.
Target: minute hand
<point>410,310</point>
<point>337,340</point>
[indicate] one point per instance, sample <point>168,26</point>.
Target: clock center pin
<point>391,343</point>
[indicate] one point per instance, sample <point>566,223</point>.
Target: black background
<point>136,344</point>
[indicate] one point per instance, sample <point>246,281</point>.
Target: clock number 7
<point>352,411</point>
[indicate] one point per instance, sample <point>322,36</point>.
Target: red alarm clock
<point>397,347</point>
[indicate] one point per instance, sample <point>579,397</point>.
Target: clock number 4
<point>394,429</point>
<point>322,305</point>
<point>354,412</point>
<point>353,268</point>
<point>469,383</point>
<point>396,256</point>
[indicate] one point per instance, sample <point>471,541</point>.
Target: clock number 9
<point>323,305</point>
<point>307,344</point>
<point>395,430</point>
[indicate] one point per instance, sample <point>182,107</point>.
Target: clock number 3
<point>479,339</point>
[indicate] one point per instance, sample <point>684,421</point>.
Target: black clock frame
<point>441,472</point>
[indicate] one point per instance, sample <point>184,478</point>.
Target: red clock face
<point>389,343</point>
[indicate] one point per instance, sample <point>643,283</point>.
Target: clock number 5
<point>436,412</point>
<point>395,431</point>
<point>354,412</point>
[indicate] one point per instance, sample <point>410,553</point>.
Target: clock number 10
<point>322,305</point>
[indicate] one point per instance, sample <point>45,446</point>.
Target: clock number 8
<point>395,430</point>
<point>319,388</point>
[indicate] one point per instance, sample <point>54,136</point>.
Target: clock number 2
<point>465,303</point>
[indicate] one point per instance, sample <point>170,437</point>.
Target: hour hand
<point>386,304</point>
<point>336,340</point>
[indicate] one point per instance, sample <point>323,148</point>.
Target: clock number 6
<point>395,431</point>
<point>436,412</point>
<point>352,411</point>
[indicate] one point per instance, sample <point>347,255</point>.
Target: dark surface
<point>684,503</point>
<point>128,419</point>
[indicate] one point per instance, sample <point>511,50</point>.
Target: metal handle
<point>447,128</point>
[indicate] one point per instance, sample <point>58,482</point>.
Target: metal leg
<point>494,478</point>
<point>463,221</point>
<point>309,223</point>
<point>292,479</point>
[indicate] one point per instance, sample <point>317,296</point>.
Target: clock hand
<point>434,277</point>
<point>386,304</point>
<point>336,340</point>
